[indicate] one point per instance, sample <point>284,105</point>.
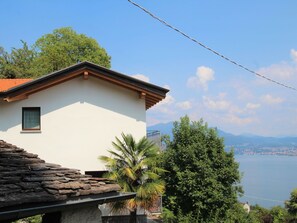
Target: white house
<point>71,116</point>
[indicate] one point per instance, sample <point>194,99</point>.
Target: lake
<point>267,180</point>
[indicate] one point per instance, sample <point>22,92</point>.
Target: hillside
<point>241,141</point>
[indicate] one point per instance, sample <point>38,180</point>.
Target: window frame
<point>37,109</point>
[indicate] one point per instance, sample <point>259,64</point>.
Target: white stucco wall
<point>79,120</point>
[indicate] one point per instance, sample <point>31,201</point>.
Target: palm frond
<point>129,173</point>
<point>134,166</point>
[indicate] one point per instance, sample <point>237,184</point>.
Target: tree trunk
<point>133,216</point>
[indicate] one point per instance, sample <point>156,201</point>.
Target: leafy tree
<point>261,214</point>
<point>133,165</point>
<point>65,47</point>
<point>202,178</point>
<point>17,64</point>
<point>237,214</point>
<point>279,214</point>
<point>291,204</point>
<point>51,52</point>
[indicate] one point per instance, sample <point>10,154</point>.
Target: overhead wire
<point>262,198</point>
<point>210,49</point>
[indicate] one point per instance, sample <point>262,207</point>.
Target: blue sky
<point>261,35</point>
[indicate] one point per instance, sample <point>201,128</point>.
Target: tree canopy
<point>291,204</point>
<point>51,52</point>
<point>202,179</point>
<point>18,63</point>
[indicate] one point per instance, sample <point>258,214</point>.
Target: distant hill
<point>239,141</point>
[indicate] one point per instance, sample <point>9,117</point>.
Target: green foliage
<point>168,216</point>
<point>257,214</point>
<point>260,214</point>
<point>279,214</point>
<point>134,166</point>
<point>202,178</point>
<point>33,219</point>
<point>165,140</point>
<point>65,47</point>
<point>51,52</point>
<point>237,214</point>
<point>17,64</point>
<point>291,204</point>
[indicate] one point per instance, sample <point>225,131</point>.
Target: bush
<point>33,219</point>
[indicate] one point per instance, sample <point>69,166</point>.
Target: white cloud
<point>167,101</point>
<point>252,106</point>
<point>281,71</point>
<point>269,99</point>
<point>165,105</point>
<point>184,105</point>
<point>141,77</point>
<point>166,86</point>
<point>294,55</point>
<point>202,77</point>
<point>234,119</point>
<point>226,111</point>
<point>220,104</point>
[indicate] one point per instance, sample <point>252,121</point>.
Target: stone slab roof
<point>27,179</point>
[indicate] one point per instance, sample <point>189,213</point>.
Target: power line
<point>264,199</point>
<point>210,49</point>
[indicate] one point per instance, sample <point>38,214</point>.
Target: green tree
<point>134,166</point>
<point>202,178</point>
<point>65,47</point>
<point>261,214</point>
<point>279,214</point>
<point>291,204</point>
<point>18,63</point>
<point>237,214</point>
<point>51,52</point>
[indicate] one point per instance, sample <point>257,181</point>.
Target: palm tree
<point>134,166</point>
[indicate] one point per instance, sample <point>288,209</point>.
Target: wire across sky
<point>211,50</point>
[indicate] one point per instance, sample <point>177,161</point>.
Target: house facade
<point>71,116</point>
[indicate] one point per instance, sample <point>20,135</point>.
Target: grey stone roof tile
<point>25,178</point>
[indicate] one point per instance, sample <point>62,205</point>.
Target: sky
<point>260,35</point>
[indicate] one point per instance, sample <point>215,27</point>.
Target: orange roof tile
<point>6,84</point>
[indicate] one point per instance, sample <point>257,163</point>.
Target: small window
<point>31,118</point>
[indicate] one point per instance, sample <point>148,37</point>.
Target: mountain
<point>239,141</point>
<point>164,128</point>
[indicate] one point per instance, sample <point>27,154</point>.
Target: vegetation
<point>292,203</point>
<point>33,219</point>
<point>51,52</point>
<point>17,64</point>
<point>134,166</point>
<point>202,179</point>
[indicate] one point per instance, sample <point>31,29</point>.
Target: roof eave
<point>156,92</point>
<point>14,213</point>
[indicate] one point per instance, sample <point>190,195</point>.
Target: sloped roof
<point>25,178</point>
<point>151,93</point>
<point>6,84</point>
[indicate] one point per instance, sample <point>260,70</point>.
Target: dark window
<point>31,118</point>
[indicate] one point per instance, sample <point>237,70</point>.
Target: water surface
<point>267,180</point>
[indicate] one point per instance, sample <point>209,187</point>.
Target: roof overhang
<point>152,94</point>
<point>14,213</point>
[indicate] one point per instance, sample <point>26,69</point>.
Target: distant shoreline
<point>263,154</point>
<point>272,151</point>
